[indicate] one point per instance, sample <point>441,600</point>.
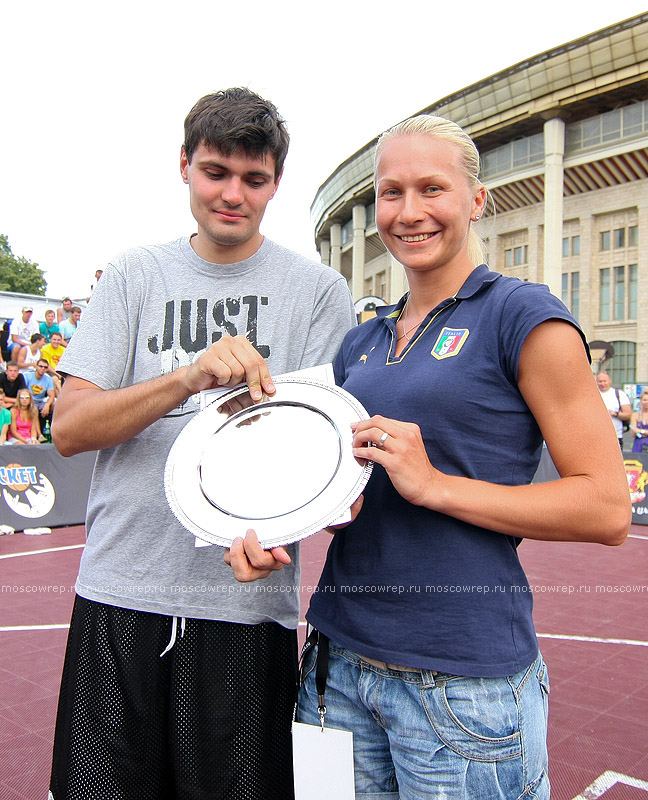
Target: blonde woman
<point>423,605</point>
<point>639,423</point>
<point>24,428</point>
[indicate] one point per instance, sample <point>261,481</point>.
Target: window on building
<point>623,366</point>
<point>508,258</point>
<point>368,287</point>
<point>381,285</point>
<point>571,247</point>
<point>619,238</point>
<point>574,305</point>
<point>570,293</point>
<point>521,255</point>
<point>604,240</point>
<point>604,295</point>
<point>633,236</point>
<point>633,290</point>
<point>619,293</point>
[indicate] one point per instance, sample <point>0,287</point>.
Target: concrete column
<point>554,142</point>
<point>325,251</point>
<point>358,254</point>
<point>336,247</point>
<point>589,279</point>
<point>397,281</point>
<point>642,321</point>
<point>536,254</point>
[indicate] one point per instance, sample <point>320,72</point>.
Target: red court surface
<point>591,615</point>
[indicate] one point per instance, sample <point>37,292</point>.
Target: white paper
<point>323,763</point>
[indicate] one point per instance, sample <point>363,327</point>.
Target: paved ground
<point>590,610</point>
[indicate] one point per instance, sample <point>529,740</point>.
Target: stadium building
<point>564,143</point>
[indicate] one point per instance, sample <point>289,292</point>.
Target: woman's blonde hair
<point>447,131</point>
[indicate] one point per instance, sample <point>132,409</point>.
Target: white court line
<point>39,552</point>
<point>573,638</point>
<point>10,628</point>
<point>636,536</point>
<point>606,781</point>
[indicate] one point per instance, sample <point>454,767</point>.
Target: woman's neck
<point>426,294</point>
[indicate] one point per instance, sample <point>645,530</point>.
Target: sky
<point>94,96</point>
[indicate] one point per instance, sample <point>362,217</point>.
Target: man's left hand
<point>249,561</point>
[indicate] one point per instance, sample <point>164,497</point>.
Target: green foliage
<point>17,274</point>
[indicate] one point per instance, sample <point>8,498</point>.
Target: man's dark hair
<point>35,337</point>
<point>237,119</point>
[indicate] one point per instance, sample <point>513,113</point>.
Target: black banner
<point>636,465</point>
<point>40,488</point>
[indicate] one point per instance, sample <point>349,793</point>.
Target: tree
<point>17,274</point>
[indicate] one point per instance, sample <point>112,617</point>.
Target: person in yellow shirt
<point>53,352</point>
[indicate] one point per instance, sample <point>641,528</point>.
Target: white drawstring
<point>174,633</point>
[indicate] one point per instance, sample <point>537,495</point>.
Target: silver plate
<point>283,467</point>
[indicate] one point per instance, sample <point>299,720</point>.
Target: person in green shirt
<point>5,419</point>
<point>49,327</point>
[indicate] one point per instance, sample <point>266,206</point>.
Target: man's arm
<point>624,413</point>
<point>83,408</point>
<point>22,355</point>
<point>51,394</point>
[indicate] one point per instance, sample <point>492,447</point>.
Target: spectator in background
<point>42,390</point>
<point>49,327</point>
<point>24,428</point>
<point>63,311</point>
<point>29,355</point>
<point>639,423</point>
<point>53,352</point>
<point>5,419</point>
<point>11,382</point>
<point>616,402</point>
<point>98,275</point>
<point>22,330</point>
<point>68,327</point>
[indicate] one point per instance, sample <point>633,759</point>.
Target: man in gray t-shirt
<point>192,674</point>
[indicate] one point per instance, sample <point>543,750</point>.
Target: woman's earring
<point>477,216</point>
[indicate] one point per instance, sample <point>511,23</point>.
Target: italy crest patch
<point>450,342</point>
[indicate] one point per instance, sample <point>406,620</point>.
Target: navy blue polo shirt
<point>411,586</point>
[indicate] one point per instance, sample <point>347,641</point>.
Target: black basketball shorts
<point>209,720</point>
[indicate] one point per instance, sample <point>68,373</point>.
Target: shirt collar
<point>478,280</point>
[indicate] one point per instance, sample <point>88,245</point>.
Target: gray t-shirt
<point>154,310</point>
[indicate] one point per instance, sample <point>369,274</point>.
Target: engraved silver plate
<point>283,467</point>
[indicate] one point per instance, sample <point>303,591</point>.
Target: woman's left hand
<point>398,447</point>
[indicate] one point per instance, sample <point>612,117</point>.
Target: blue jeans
<point>419,734</point>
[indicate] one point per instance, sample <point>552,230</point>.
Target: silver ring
<point>383,439</point>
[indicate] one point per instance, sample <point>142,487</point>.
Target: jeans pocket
<point>478,718</point>
<point>543,679</point>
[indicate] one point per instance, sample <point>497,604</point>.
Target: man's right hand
<point>228,362</point>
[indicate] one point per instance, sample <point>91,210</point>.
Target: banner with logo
<point>40,488</point>
<point>636,465</point>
